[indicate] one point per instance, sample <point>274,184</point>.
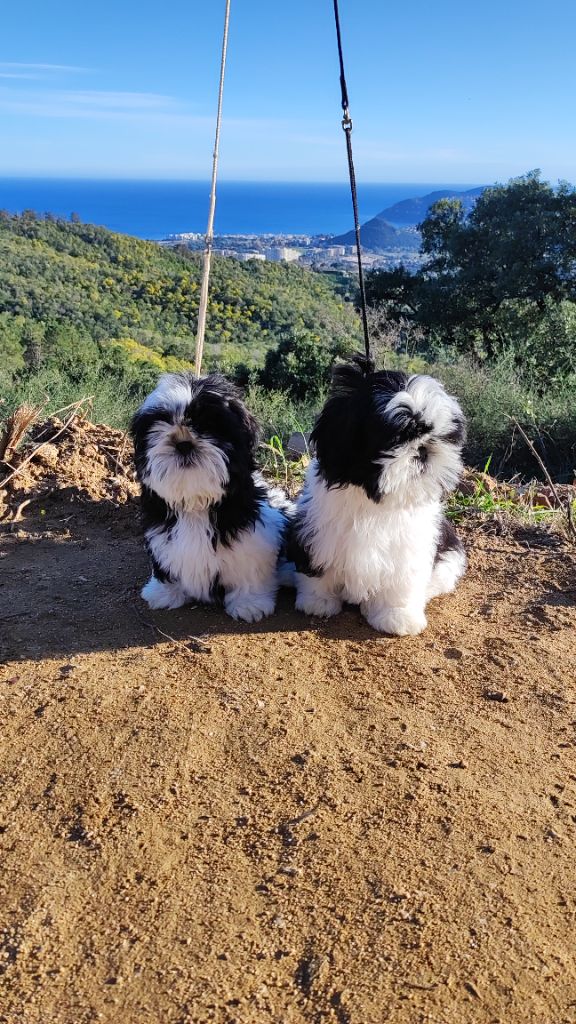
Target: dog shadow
<point>71,583</point>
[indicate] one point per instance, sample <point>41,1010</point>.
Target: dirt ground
<point>296,822</point>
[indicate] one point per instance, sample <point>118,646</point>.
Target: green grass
<point>280,417</point>
<point>113,398</point>
<point>491,499</point>
<point>278,414</point>
<point>493,397</point>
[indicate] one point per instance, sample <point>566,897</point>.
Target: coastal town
<point>318,252</point>
<point>390,239</point>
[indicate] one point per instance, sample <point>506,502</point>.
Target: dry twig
<point>192,644</point>
<point>543,467</point>
<point>16,426</point>
<point>84,401</point>
<point>16,518</point>
<point>117,458</point>
<point>304,816</point>
<point>38,447</point>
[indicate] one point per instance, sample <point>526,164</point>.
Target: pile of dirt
<point>74,461</point>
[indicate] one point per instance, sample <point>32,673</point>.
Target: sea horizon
<point>156,208</point>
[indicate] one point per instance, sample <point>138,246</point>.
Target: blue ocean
<point>154,209</point>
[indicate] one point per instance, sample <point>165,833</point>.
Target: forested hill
<point>410,212</point>
<point>72,291</point>
<point>378,235</point>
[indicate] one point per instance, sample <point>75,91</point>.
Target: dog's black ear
<point>248,421</point>
<point>231,396</point>
<point>139,427</point>
<point>335,437</point>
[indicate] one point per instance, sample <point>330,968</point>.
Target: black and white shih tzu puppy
<point>369,527</point>
<point>213,528</point>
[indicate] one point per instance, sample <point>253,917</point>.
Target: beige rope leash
<point>210,229</point>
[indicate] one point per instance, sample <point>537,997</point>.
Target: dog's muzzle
<point>184,447</point>
<point>183,441</point>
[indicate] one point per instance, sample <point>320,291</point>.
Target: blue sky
<point>440,91</point>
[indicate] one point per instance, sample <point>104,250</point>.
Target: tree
<point>491,278</point>
<point>442,232</point>
<point>300,365</point>
<point>394,289</point>
<point>519,242</point>
<point>11,343</point>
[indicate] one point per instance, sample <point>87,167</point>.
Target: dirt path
<point>294,822</point>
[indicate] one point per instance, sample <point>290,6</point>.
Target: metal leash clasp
<point>347,120</point>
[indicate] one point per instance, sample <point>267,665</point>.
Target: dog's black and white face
<point>389,434</point>
<point>193,437</point>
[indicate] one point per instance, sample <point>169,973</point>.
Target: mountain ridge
<point>411,211</point>
<point>395,227</point>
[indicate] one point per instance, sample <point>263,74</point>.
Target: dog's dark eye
<point>208,419</point>
<point>422,454</point>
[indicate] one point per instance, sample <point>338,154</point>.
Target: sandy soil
<point>296,822</point>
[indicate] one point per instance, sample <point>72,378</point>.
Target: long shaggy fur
<point>213,528</point>
<point>369,527</point>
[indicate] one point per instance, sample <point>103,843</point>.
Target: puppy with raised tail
<point>213,528</point>
<point>369,526</point>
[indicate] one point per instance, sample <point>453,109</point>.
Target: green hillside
<point>76,294</point>
<point>85,313</point>
<point>378,235</point>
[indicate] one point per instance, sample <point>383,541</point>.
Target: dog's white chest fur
<point>365,547</point>
<point>194,563</point>
<point>187,552</point>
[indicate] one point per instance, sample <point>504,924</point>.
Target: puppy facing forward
<point>212,527</point>
<point>369,526</point>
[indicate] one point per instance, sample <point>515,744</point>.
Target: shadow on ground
<point>70,584</point>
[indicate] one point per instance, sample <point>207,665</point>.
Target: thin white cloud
<point>143,108</point>
<point>40,67</point>
<point>107,100</point>
<point>87,104</point>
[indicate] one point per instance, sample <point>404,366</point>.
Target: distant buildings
<point>185,236</point>
<point>282,252</point>
<point>313,252</point>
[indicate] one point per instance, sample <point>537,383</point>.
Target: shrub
<point>301,365</point>
<point>493,397</point>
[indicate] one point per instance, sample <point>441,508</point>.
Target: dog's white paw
<point>322,605</point>
<point>162,595</point>
<point>249,607</point>
<point>396,621</point>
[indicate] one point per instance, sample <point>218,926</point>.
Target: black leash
<point>347,126</point>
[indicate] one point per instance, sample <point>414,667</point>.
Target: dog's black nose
<point>184,447</point>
